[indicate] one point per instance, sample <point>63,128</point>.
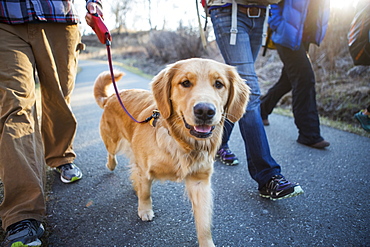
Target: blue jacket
<point>297,21</point>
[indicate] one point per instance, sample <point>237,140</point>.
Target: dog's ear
<point>161,88</point>
<point>238,95</point>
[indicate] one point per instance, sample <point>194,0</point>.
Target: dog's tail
<point>102,85</point>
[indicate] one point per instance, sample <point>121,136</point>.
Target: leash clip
<point>153,118</point>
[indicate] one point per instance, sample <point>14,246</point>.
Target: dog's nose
<point>204,111</point>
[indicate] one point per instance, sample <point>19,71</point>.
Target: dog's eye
<point>219,85</point>
<point>186,83</point>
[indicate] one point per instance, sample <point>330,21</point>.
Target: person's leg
<point>274,94</point>
<point>57,54</point>
<point>224,154</point>
<point>300,73</point>
<point>22,164</point>
<point>242,55</point>
<point>228,128</point>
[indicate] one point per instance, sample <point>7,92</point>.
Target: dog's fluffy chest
<point>174,162</point>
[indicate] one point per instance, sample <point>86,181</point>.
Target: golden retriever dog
<point>193,97</point>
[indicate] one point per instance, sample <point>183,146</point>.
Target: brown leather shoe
<point>319,145</point>
<point>265,122</point>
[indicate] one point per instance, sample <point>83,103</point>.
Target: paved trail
<point>100,210</point>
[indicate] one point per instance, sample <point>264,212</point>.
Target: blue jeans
<point>261,165</point>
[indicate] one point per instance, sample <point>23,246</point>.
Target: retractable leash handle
<point>101,30</point>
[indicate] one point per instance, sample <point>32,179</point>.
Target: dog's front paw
<point>146,215</point>
<point>111,162</point>
<point>111,166</point>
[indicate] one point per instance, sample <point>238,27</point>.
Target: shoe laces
<point>224,152</point>
<point>277,182</point>
<point>66,167</point>
<point>18,227</point>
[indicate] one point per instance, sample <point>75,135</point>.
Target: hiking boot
<point>227,157</point>
<point>363,119</point>
<point>279,188</point>
<point>69,173</point>
<point>24,233</point>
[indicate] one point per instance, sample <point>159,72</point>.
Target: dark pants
<point>297,75</point>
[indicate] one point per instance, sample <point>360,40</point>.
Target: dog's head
<point>200,93</point>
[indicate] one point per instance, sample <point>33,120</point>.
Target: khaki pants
<point>25,148</point>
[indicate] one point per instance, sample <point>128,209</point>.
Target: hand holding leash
<point>94,18</point>
<point>95,21</point>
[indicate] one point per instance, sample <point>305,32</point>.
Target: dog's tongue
<point>203,128</point>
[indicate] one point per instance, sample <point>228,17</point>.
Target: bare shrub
<point>169,46</point>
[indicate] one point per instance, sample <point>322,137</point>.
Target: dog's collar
<point>153,118</point>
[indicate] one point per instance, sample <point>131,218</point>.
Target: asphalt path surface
<point>101,209</point>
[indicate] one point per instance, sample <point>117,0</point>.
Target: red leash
<point>104,36</point>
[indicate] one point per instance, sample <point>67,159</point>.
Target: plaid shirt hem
<point>17,12</point>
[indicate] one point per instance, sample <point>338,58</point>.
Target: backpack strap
<point>234,23</point>
<point>201,30</point>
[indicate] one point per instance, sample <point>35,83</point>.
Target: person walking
<point>42,37</point>
<point>238,27</point>
<point>295,24</point>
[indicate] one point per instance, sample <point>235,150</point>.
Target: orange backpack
<point>359,37</point>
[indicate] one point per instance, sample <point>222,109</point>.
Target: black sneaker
<point>24,233</point>
<point>69,173</point>
<point>279,188</point>
<point>227,157</point>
